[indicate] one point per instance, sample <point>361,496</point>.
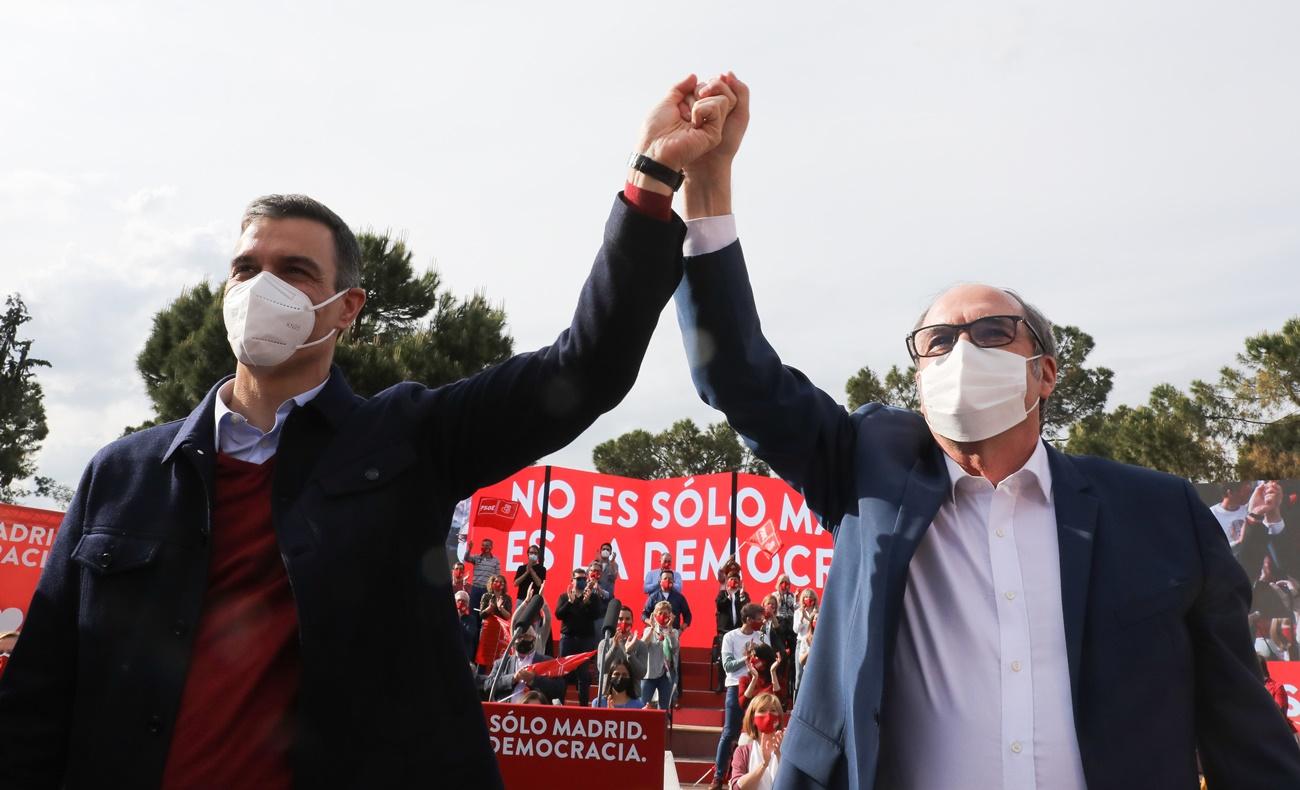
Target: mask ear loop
<point>332,332</point>
<point>1039,399</point>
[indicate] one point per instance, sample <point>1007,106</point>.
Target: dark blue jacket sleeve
<point>488,426</point>
<point>1244,740</point>
<point>798,429</point>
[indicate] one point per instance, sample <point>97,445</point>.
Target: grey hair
<point>347,252</point>
<point>1034,319</point>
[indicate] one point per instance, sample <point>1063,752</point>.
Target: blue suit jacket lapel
<point>1076,527</point>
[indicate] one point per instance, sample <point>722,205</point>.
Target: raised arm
<point>488,426</point>
<point>792,425</point>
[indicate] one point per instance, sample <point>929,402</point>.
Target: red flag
<point>766,539</point>
<point>496,513</point>
<point>494,639</point>
<point>559,667</point>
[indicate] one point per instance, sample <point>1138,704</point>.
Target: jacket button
<point>106,559</point>
<point>371,474</point>
<point>154,726</point>
<point>179,628</point>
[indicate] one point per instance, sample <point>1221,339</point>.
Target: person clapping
<point>758,752</point>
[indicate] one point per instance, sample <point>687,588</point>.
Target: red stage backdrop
<point>564,746</point>
<point>688,517</point>
<point>26,535</point>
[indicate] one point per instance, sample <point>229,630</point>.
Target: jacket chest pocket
<point>120,585</point>
<point>369,475</point>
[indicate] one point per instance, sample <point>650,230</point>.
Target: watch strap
<point>657,170</point>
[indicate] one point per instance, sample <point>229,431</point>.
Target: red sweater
<point>234,727</point>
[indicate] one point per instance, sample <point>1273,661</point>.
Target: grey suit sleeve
<point>1244,740</point>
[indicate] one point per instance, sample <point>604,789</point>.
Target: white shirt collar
<point>223,415</point>
<point>1036,470</point>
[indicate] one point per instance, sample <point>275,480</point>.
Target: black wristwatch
<point>658,171</point>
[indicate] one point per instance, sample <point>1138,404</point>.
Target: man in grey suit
<point>998,614</point>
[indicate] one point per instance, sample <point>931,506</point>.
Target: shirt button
<point>371,474</point>
<point>1015,666</point>
<point>179,628</point>
<point>1016,747</point>
<point>1001,533</point>
<point>1010,595</point>
<point>154,725</point>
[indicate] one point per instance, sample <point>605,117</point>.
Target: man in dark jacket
<point>578,610</point>
<point>257,596</point>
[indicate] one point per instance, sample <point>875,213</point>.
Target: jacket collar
<point>334,402</point>
<point>1076,526</point>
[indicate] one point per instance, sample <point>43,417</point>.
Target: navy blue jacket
<point>1154,604</point>
<point>362,497</point>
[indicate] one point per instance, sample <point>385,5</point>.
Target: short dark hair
<point>750,610</point>
<point>347,252</point>
<point>669,574</point>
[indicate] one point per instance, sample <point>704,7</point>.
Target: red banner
<point>26,535</point>
<point>1288,674</point>
<point>558,667</point>
<point>687,517</point>
<point>564,746</point>
<point>496,514</point>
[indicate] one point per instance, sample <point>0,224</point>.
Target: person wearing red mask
<point>730,601</point>
<point>666,593</point>
<point>758,753</point>
<point>1280,643</point>
<point>763,665</point>
<point>470,625</point>
<point>665,566</point>
<point>662,650</point>
<point>494,606</point>
<point>459,581</point>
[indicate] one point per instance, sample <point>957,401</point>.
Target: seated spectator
<point>663,658</point>
<point>530,575</point>
<point>666,594</point>
<point>763,676</point>
<point>1280,644</point>
<point>757,757</point>
<point>622,689</point>
<point>470,626</point>
<point>511,677</point>
<point>534,697</point>
<point>541,622</point>
<point>623,647</point>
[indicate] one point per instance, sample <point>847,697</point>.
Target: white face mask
<point>604,554</point>
<point>267,320</point>
<point>973,393</point>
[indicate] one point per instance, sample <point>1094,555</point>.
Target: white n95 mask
<point>268,319</point>
<point>973,393</point>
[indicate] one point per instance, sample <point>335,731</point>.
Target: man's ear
<point>1047,381</point>
<point>352,301</point>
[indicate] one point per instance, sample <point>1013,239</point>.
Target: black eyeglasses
<point>991,331</point>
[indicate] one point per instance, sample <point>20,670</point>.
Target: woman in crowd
<point>764,673</point>
<point>534,697</point>
<point>494,604</point>
<point>663,647</point>
<point>531,574</point>
<point>1280,644</point>
<point>804,617</point>
<point>757,757</point>
<point>622,689</point>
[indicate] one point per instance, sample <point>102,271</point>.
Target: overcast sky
<point>1132,167</point>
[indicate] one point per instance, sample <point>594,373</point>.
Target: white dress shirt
<point>978,694</point>
<point>238,439</point>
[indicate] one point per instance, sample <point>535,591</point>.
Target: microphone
<point>611,617</point>
<point>528,613</point>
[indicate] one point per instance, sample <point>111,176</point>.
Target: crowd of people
<point>759,650</point>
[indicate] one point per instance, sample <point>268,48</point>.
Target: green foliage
<point>1170,433</point>
<point>1081,391</point>
<point>898,388</point>
<point>681,451</point>
<point>1272,453</point>
<point>408,330</point>
<point>22,410</point>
